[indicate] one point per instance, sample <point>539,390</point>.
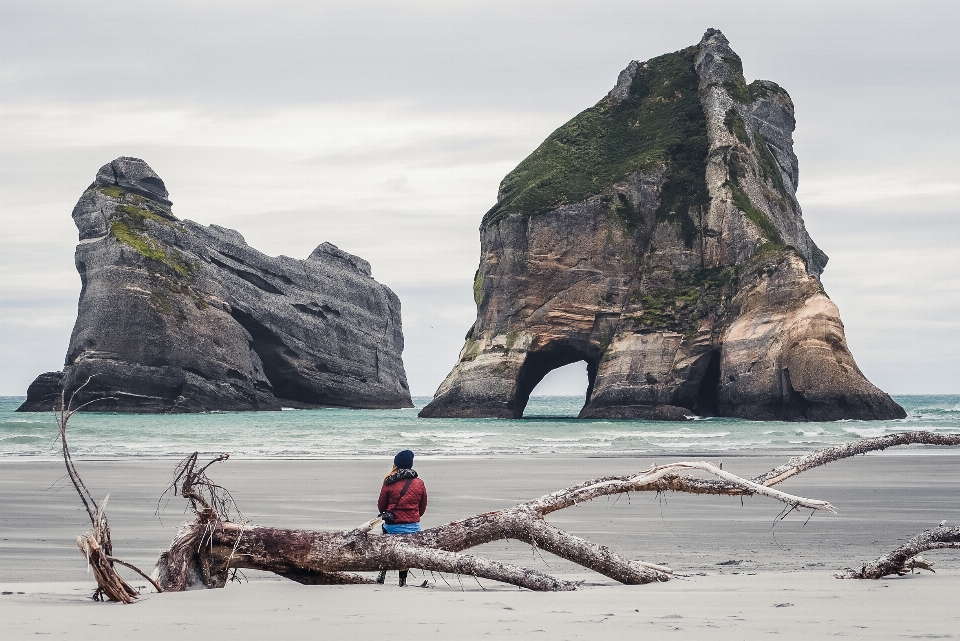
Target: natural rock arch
<point>658,236</point>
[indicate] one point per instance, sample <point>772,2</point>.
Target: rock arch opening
<point>560,394</point>
<point>543,361</point>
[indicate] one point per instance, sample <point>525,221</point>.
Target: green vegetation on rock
<point>757,217</point>
<point>626,211</point>
<point>478,287</point>
<point>737,88</point>
<point>764,88</point>
<point>696,294</point>
<point>161,303</point>
<point>129,226</point>
<point>738,168</point>
<point>659,123</point>
<point>114,191</point>
<point>769,167</point>
<point>735,125</point>
<point>471,351</point>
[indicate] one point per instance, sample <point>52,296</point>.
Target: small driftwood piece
<point>905,558</point>
<point>96,544</point>
<point>204,551</point>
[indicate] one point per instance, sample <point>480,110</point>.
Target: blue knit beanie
<point>404,460</point>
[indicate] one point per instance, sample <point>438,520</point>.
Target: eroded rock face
<point>178,317</point>
<point>657,236</point>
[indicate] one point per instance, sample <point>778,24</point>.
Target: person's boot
<point>403,578</point>
<point>382,577</point>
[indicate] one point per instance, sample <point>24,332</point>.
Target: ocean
<point>549,428</point>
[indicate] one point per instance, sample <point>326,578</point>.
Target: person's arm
<point>423,499</point>
<point>382,501</point>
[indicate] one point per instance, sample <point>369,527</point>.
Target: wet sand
<point>735,567</point>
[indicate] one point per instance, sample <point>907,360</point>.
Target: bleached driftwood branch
<point>904,559</point>
<point>96,544</point>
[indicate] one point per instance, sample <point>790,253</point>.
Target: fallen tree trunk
<point>905,558</point>
<point>206,550</point>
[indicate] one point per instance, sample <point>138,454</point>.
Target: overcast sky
<point>385,128</point>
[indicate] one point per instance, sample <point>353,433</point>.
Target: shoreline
<point>921,450</point>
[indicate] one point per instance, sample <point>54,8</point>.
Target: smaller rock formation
<point>179,317</point>
<point>657,236</point>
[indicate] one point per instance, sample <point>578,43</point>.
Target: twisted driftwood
<point>95,545</point>
<point>905,558</point>
<point>205,551</point>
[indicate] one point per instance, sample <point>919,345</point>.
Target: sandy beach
<point>738,575</point>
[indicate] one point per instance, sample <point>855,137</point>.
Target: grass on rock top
<point>129,226</point>
<point>660,122</point>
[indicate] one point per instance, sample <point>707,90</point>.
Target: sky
<point>386,127</point>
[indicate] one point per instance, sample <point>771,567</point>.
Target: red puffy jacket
<point>411,507</point>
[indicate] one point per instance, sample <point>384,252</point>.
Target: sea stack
<point>179,317</point>
<point>657,236</point>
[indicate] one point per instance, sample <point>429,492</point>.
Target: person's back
<point>403,500</point>
<point>409,507</point>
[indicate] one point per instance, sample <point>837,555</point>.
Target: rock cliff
<point>657,236</point>
<point>178,317</point>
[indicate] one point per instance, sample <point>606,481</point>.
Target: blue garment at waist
<point>402,528</point>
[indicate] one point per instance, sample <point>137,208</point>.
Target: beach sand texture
<point>740,577</point>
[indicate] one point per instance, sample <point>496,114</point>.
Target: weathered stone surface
<point>657,236</point>
<point>178,317</point>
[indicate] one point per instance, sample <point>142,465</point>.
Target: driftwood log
<point>206,550</point>
<point>906,558</point>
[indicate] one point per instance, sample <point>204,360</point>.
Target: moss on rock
<point>757,217</point>
<point>694,295</point>
<point>769,167</point>
<point>478,287</point>
<point>735,125</point>
<point>114,191</point>
<point>659,123</point>
<point>129,225</point>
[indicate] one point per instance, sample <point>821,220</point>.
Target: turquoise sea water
<point>547,429</point>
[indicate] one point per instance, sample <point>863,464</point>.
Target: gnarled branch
<point>95,545</point>
<point>904,559</point>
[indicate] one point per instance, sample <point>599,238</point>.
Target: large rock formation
<point>657,236</point>
<point>178,317</point>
